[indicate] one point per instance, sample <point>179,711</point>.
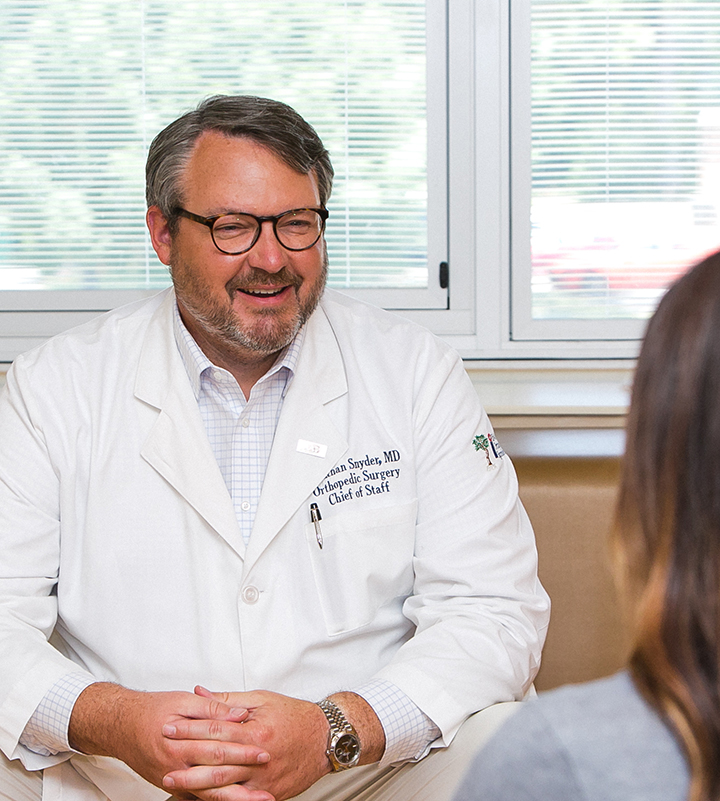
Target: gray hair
<point>270,123</point>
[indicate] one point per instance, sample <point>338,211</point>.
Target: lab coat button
<point>250,594</point>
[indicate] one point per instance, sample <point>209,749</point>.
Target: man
<point>262,488</point>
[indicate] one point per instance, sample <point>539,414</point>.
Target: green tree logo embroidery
<point>481,441</point>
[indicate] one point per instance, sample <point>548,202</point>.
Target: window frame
<point>489,201</point>
<point>478,181</point>
<point>598,339</point>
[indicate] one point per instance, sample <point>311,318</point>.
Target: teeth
<point>263,292</point>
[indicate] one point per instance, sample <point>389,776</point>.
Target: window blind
<point>625,151</point>
<point>86,84</point>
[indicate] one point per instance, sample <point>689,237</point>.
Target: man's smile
<point>263,293</point>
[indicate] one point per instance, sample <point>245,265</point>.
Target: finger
<point>205,693</point>
<point>222,700</point>
<point>189,729</point>
<point>220,711</point>
<point>235,792</point>
<point>212,752</point>
<point>204,777</point>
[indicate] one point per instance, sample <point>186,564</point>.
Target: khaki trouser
<point>434,778</point>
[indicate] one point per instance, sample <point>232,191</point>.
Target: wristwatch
<point>343,748</point>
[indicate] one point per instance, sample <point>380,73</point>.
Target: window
<point>561,156</point>
<point>88,83</point>
<point>584,145</point>
<point>618,102</point>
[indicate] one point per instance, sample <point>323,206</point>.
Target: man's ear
<point>159,233</point>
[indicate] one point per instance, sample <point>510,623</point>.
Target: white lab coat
<point>118,539</point>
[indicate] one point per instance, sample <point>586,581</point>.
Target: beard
<point>263,332</point>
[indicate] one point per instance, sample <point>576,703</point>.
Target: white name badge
<point>312,448</point>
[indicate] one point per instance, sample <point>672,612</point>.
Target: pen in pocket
<point>316,517</point>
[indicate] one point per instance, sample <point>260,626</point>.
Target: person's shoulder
<point>118,329</point>
<point>600,738</point>
<point>599,715</point>
<point>344,309</point>
<point>353,319</point>
<point>619,743</point>
<point>390,349</point>
<point>523,761</point>
<point>597,705</point>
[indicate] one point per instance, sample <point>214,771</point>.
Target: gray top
<point>590,742</point>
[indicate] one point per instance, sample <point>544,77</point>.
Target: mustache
<point>254,278</point>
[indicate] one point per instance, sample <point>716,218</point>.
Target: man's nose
<point>267,253</point>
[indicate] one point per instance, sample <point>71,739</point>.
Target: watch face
<point>346,749</point>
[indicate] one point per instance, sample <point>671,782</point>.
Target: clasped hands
<point>253,746</point>
<point>267,742</point>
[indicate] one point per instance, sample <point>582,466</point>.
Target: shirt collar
<point>198,365</point>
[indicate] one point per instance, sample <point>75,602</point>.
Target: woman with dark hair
<point>652,731</point>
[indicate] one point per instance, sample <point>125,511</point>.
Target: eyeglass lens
<point>296,230</point>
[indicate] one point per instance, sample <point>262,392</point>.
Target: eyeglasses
<point>235,233</point>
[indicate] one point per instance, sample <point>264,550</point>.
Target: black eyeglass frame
<point>210,223</point>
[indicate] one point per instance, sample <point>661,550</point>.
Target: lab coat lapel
<point>177,446</point>
<point>293,474</point>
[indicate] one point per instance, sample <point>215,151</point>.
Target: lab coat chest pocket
<point>366,560</point>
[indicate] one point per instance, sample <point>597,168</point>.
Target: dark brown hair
<point>667,529</point>
<point>270,123</point>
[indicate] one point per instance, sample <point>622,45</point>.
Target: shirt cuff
<point>408,730</point>
<point>46,733</point>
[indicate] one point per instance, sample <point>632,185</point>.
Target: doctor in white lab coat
<point>120,551</point>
